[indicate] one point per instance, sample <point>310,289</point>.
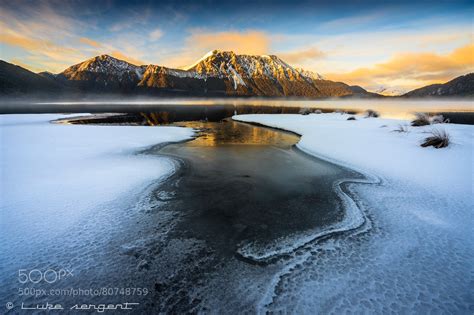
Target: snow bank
<point>417,256</point>
<point>52,174</point>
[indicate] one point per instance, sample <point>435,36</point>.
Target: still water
<point>399,108</point>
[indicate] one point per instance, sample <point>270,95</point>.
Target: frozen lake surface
<point>241,200</point>
<point>239,220</point>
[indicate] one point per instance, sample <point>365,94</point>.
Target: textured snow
<point>54,174</point>
<point>416,255</point>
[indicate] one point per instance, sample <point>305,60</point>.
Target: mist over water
<point>388,108</point>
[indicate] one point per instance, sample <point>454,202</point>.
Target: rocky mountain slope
<point>103,73</point>
<point>460,86</point>
<point>218,73</point>
<point>264,75</point>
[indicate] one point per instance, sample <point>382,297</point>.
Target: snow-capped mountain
<point>218,73</point>
<point>263,75</point>
<point>390,91</point>
<point>104,72</point>
<point>104,64</point>
<point>226,63</point>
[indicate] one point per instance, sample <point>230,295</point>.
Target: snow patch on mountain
<point>236,77</point>
<point>310,74</point>
<point>390,91</point>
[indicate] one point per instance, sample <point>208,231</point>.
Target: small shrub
<point>351,118</point>
<point>438,139</point>
<point>439,119</point>
<point>371,113</point>
<point>304,111</point>
<point>421,119</point>
<point>401,128</point>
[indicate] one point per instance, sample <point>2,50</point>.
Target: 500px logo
<point>48,275</point>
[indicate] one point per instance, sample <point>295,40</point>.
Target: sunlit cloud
<point>199,42</point>
<point>22,64</point>
<point>89,42</point>
<point>299,57</point>
<point>248,42</point>
<point>121,56</point>
<point>412,69</point>
<point>39,46</point>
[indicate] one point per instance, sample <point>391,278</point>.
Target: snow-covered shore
<point>418,255</point>
<point>52,174</point>
<point>372,145</point>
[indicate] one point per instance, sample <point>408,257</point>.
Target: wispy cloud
<point>121,56</point>
<point>156,34</point>
<point>299,57</point>
<point>90,42</point>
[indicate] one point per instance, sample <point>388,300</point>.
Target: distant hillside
<point>18,80</point>
<point>461,86</point>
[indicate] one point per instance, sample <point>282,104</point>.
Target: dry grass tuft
<point>438,139</point>
<point>401,129</point>
<point>421,119</point>
<point>371,113</point>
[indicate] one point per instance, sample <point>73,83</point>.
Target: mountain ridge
<point>217,73</point>
<point>459,86</point>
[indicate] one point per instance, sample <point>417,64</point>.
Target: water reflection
<point>197,107</point>
<point>231,133</point>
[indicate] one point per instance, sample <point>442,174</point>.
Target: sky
<point>393,44</point>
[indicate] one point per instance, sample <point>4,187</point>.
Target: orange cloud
<point>40,46</point>
<point>22,64</point>
<point>200,42</point>
<point>412,69</point>
<point>121,56</point>
<point>299,56</point>
<point>250,42</point>
<point>89,42</point>
<point>13,39</point>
